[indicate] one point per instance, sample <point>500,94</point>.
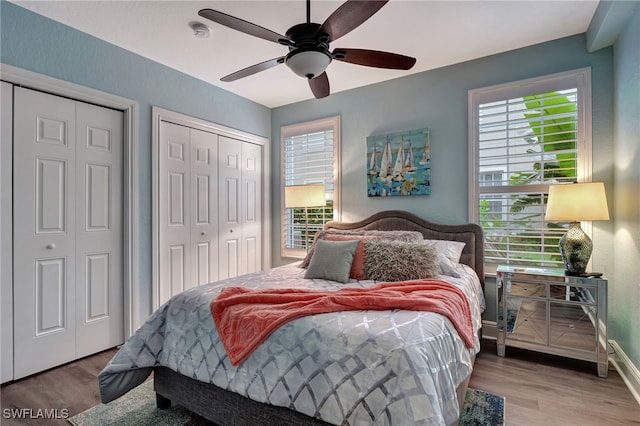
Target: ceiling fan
<point>308,44</point>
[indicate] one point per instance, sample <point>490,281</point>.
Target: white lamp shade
<point>576,202</point>
<point>304,196</point>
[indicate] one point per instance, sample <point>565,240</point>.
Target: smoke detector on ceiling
<point>200,30</point>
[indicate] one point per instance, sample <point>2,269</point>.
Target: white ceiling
<point>437,33</point>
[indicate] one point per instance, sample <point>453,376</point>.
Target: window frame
<point>580,79</point>
<point>330,123</point>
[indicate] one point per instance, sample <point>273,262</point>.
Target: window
<point>310,155</point>
<point>493,206</point>
<point>525,136</point>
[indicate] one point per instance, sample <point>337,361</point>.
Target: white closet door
<point>68,287</point>
<point>6,260</point>
<point>251,207</point>
<point>44,231</point>
<point>230,180</point>
<point>99,213</point>
<point>188,188</point>
<point>204,207</point>
<point>209,189</point>
<point>174,206</point>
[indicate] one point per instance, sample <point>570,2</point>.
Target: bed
<point>411,367</point>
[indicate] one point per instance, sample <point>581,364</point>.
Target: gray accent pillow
<point>399,261</point>
<point>332,260</point>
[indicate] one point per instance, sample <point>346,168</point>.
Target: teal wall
<point>41,45</point>
<point>437,99</point>
<point>624,290</point>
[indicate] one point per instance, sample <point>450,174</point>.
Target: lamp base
<point>575,248</point>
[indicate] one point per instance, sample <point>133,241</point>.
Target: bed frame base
<point>230,408</point>
<point>220,406</point>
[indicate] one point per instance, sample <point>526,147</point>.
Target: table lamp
<point>573,203</point>
<point>305,196</point>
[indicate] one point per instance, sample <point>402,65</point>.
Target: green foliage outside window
<point>552,119</point>
<point>317,217</point>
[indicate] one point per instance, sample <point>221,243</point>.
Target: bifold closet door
<point>68,288</point>
<point>204,207</point>
<point>252,207</point>
<point>99,220</point>
<point>188,204</point>
<point>240,179</point>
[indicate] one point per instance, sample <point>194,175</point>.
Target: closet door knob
<point>51,246</point>
<point>203,233</point>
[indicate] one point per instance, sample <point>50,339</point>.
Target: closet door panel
<point>44,231</point>
<point>204,207</point>
<point>174,205</point>
<point>230,221</point>
<point>99,213</point>
<point>251,207</point>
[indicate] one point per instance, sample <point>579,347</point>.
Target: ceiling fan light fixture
<point>308,63</point>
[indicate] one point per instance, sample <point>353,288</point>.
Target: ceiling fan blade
<point>245,72</point>
<point>242,26</point>
<point>349,16</point>
<point>374,58</point>
<point>320,86</point>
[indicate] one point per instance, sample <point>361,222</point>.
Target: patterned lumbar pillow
<point>399,261</point>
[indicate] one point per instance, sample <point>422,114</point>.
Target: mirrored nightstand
<point>546,311</point>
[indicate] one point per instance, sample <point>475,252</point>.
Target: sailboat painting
<point>399,164</point>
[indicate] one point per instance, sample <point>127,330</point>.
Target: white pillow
<point>449,253</point>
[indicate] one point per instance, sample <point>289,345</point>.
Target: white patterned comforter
<point>358,368</point>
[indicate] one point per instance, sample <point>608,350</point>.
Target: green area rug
<point>482,409</point>
<point>138,407</point>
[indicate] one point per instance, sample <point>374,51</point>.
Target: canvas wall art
<point>399,164</point>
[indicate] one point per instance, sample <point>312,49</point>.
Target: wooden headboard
<point>469,233</point>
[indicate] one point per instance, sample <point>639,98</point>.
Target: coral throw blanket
<point>245,318</point>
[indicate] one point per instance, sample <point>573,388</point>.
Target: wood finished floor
<point>539,389</point>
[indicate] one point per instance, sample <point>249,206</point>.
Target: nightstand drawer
<point>572,326</point>
<point>521,288</point>
<point>580,294</point>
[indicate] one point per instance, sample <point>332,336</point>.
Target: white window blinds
<point>526,136</point>
<point>309,156</point>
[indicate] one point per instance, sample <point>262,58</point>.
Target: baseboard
<point>629,372</point>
